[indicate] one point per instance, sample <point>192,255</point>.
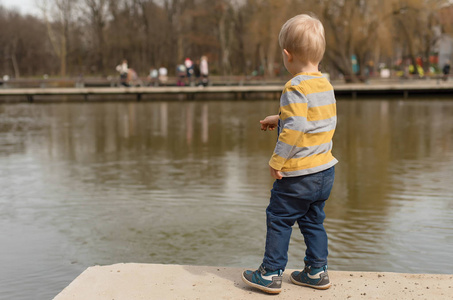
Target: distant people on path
<point>204,70</point>
<point>123,69</point>
<point>417,70</point>
<point>446,70</point>
<point>181,74</point>
<point>163,75</point>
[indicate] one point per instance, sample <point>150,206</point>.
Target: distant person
<point>132,78</point>
<point>446,70</point>
<point>181,74</point>
<point>302,163</point>
<point>123,69</point>
<point>163,75</point>
<point>153,76</point>
<point>189,69</point>
<point>204,70</point>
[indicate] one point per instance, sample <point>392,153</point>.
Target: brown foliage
<point>239,36</point>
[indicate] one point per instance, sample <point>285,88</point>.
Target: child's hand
<point>270,122</point>
<point>275,174</point>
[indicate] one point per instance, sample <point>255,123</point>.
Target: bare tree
<point>23,51</point>
<point>58,16</point>
<point>96,15</point>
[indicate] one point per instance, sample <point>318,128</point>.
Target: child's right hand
<point>275,173</point>
<point>270,122</point>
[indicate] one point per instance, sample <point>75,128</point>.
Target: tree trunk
<point>63,53</point>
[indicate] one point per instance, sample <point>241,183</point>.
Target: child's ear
<point>288,55</point>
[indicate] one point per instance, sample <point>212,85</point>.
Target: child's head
<point>303,36</point>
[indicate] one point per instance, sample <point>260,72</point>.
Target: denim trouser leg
<point>298,199</point>
<point>315,236</point>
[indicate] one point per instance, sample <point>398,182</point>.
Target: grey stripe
<point>309,151</point>
<point>301,124</point>
<point>313,100</point>
<point>292,97</point>
<point>310,171</point>
<point>289,151</point>
<point>283,150</point>
<point>321,125</point>
<point>321,99</point>
<point>295,123</point>
<point>298,79</point>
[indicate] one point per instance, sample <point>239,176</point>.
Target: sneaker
<point>269,282</point>
<point>312,277</point>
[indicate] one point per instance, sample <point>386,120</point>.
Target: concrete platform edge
<point>132,281</point>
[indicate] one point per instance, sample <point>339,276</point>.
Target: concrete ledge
<point>152,281</point>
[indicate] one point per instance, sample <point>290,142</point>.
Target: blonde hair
<point>304,37</point>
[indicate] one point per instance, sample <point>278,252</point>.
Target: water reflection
<point>188,182</point>
<point>393,154</point>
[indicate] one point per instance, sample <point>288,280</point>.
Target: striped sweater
<point>307,121</point>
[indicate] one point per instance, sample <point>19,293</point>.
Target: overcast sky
<point>24,6</point>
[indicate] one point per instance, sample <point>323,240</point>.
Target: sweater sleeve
<point>292,125</point>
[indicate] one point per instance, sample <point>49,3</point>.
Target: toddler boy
<point>302,162</point>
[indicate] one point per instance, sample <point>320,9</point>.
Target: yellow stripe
<point>312,114</point>
<point>316,85</point>
<point>300,139</point>
<point>322,112</point>
<point>277,162</point>
<point>293,109</point>
<point>295,164</point>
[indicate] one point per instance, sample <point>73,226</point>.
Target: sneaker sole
<point>318,287</point>
<point>260,287</point>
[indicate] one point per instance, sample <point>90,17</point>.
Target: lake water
<point>83,184</point>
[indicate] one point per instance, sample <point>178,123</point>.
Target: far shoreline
<point>389,90</point>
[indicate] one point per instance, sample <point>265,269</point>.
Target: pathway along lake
<point>188,183</point>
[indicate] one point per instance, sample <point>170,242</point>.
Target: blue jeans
<point>298,199</point>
